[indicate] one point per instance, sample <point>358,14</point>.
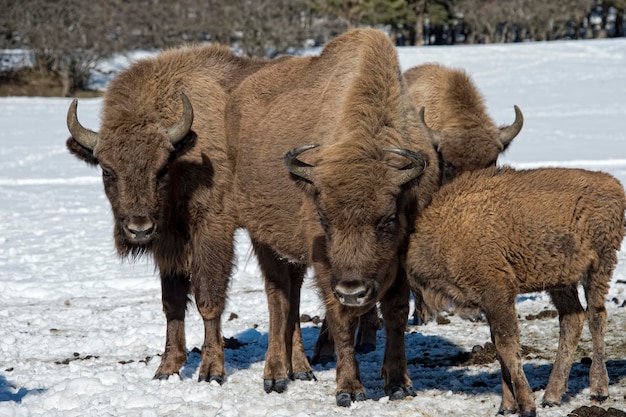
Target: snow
<point>80,331</point>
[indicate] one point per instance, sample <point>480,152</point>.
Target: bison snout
<point>355,293</point>
<point>139,229</point>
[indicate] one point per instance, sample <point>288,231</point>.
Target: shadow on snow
<point>9,392</point>
<point>435,363</point>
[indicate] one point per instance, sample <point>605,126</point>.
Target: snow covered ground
<point>80,331</point>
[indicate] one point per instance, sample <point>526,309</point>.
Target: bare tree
<point>263,27</point>
<point>65,36</point>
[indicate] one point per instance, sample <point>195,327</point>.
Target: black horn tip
<point>292,155</point>
<point>296,166</point>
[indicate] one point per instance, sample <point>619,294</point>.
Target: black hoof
<point>599,398</point>
<point>217,378</point>
<point>507,412</point>
<point>530,413</point>
<point>550,403</point>
<point>365,348</point>
<point>305,376</point>
<point>162,377</point>
<point>400,393</point>
<point>322,360</point>
<point>344,399</point>
<point>278,385</point>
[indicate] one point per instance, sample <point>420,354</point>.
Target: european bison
<point>453,112</point>
<point>359,170</point>
<point>162,150</point>
<point>493,234</point>
<point>456,118</point>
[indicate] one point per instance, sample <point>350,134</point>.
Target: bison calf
<point>496,233</point>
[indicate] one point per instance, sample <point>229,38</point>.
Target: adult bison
<point>466,138</point>
<point>493,234</point>
<point>359,170</point>
<point>162,150</point>
<point>454,113</point>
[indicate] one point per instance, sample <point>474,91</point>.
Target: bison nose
<point>140,228</point>
<point>354,294</point>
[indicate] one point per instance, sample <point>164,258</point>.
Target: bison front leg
<point>342,325</point>
<point>174,295</point>
<point>395,310</point>
<point>277,288</point>
<point>516,393</point>
<point>212,266</point>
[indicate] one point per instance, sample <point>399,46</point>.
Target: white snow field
<point>80,331</point>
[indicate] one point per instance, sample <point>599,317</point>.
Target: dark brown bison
<point>453,112</point>
<point>162,150</point>
<point>359,169</point>
<point>493,234</point>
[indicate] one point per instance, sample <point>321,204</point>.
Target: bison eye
<point>388,224</point>
<point>107,175</point>
<point>391,220</point>
<point>162,173</point>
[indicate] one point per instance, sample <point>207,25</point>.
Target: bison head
<point>473,146</point>
<point>363,212</point>
<point>135,154</point>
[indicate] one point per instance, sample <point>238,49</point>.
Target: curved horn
<point>87,138</point>
<point>507,133</point>
<point>414,169</point>
<point>179,130</point>
<point>434,135</point>
<point>296,166</point>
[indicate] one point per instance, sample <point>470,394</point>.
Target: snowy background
<point>80,331</point>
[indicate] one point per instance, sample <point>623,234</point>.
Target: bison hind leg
<point>305,376</point>
<point>369,324</point>
<point>324,351</point>
<point>596,288</point>
<point>216,378</point>
<point>571,321</point>
<point>400,393</point>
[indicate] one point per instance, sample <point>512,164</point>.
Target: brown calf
<point>496,233</point>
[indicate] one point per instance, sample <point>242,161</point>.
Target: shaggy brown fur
<point>464,135</point>
<point>173,200</point>
<point>466,139</point>
<point>496,233</point>
<point>352,221</point>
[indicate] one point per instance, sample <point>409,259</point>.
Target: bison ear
<point>80,151</point>
<point>184,145</point>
